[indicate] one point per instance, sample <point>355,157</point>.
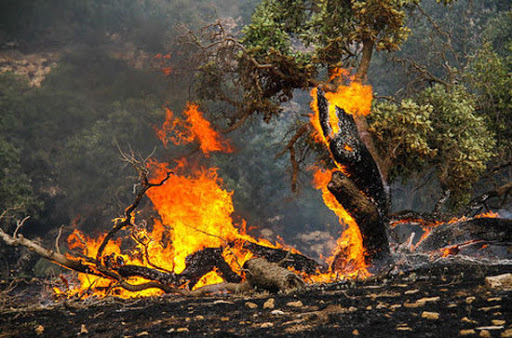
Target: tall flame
<point>355,98</point>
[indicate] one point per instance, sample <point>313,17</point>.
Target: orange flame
<point>355,98</point>
<point>194,128</point>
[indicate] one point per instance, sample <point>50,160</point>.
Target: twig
<point>57,239</point>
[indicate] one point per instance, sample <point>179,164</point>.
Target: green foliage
<point>15,186</point>
<point>490,78</point>
<point>440,129</point>
<point>324,32</point>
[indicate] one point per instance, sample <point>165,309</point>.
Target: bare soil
<point>445,300</point>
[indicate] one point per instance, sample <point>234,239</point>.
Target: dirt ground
<point>445,300</point>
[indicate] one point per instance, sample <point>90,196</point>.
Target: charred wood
<point>366,215</point>
<point>349,151</point>
<point>454,233</point>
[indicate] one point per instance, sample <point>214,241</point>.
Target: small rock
<point>266,325</point>
<point>143,333</point>
<point>355,332</point>
<point>403,328</point>
<point>83,329</point>
<point>494,327</point>
<point>187,319</point>
<point>381,306</point>
<point>182,329</point>
<point>425,300</point>
<point>295,304</point>
<point>369,307</point>
<point>451,305</point>
<point>411,305</point>
<point>39,330</point>
<point>411,292</point>
<point>467,320</point>
<point>485,334</point>
<point>488,308</point>
<point>352,309</point>
<point>395,306</point>
<point>495,299</point>
<point>466,332</point>
<point>277,312</point>
<point>503,281</point>
<point>498,322</point>
<point>251,305</point>
<point>269,304</point>
<point>199,317</point>
<point>224,319</point>
<point>470,300</point>
<point>506,333</point>
<point>430,315</point>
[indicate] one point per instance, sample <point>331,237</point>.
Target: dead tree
<point>361,191</point>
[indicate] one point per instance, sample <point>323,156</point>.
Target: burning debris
<point>194,247</point>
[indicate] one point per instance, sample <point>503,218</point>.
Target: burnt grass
<point>393,306</point>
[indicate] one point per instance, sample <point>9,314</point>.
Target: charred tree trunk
<point>362,194</point>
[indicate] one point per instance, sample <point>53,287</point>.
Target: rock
<point>355,332</point>
<point>503,281</point>
<point>425,300</point>
<point>251,305</point>
<point>224,319</point>
<point>470,300</point>
<point>182,329</point>
<point>485,334</point>
<point>266,325</point>
<point>83,330</point>
<point>296,304</point>
<point>395,306</point>
<point>498,322</point>
<point>199,317</point>
<point>277,312</point>
<point>143,333</point>
<point>381,306</point>
<point>269,304</point>
<point>507,333</point>
<point>467,320</point>
<point>352,309</point>
<point>411,292</point>
<point>422,301</point>
<point>495,299</point>
<point>494,327</point>
<point>369,307</point>
<point>466,332</point>
<point>430,315</point>
<point>489,308</point>
<point>39,330</point>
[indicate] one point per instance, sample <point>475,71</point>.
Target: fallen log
<point>271,276</point>
<point>486,230</point>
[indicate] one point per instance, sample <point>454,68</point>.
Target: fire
<point>355,98</point>
<point>194,128</point>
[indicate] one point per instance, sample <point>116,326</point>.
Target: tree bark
<point>366,215</point>
<point>363,193</point>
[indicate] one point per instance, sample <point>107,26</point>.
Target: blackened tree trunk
<point>362,193</point>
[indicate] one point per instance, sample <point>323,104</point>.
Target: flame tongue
<point>355,98</point>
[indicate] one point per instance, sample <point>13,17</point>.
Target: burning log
<point>362,192</point>
<point>477,230</point>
